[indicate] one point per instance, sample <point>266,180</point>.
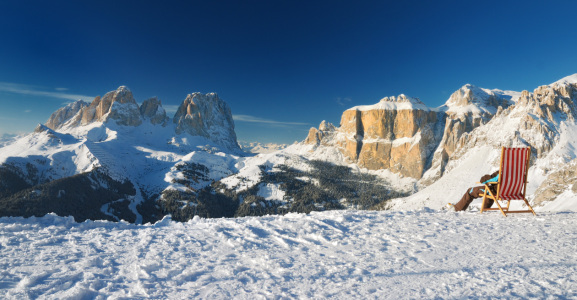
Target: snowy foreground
<point>337,254</point>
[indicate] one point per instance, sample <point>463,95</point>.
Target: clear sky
<point>282,66</point>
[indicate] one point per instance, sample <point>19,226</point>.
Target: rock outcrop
<point>118,105</point>
<point>466,109</point>
<point>556,183</point>
<point>550,102</point>
<point>325,131</point>
<point>152,110</point>
<point>535,120</point>
<point>208,116</point>
<point>71,113</point>
<point>400,139</point>
<point>398,133</point>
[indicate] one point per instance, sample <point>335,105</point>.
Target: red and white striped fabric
<point>513,173</point>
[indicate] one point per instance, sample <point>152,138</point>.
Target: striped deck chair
<point>512,181</point>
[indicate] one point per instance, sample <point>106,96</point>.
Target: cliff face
<point>398,140</point>
<point>557,182</point>
<point>398,133</point>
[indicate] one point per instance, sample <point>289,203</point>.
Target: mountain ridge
<point>396,154</point>
<point>124,142</point>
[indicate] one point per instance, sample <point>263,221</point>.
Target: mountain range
<point>117,160</point>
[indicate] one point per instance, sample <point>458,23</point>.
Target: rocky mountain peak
<point>472,99</point>
<point>43,128</point>
<point>152,110</point>
<point>70,113</point>
<point>199,114</point>
<point>550,102</point>
<point>326,126</point>
<point>465,96</point>
<point>118,105</point>
<point>316,136</point>
<point>121,95</point>
<point>556,99</point>
<point>206,115</point>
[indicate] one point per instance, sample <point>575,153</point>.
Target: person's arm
<point>490,178</point>
<point>493,179</point>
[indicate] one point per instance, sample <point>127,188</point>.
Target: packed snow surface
<point>336,254</point>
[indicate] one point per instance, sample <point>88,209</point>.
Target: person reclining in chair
<point>476,192</point>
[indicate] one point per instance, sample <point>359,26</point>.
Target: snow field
<point>335,254</point>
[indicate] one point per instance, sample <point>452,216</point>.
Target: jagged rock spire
<point>118,105</point>
<point>152,110</point>
<point>206,115</point>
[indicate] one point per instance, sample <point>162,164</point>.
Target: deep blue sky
<point>282,66</point>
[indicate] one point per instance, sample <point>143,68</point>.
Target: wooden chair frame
<point>497,197</point>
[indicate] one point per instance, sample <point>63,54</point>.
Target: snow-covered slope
<point>146,155</point>
<point>566,80</point>
<point>52,155</point>
<point>338,254</point>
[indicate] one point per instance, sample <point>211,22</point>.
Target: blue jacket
<point>494,179</point>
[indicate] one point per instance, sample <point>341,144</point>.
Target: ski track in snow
<point>336,254</point>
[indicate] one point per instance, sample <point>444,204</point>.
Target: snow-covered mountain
<point>404,136</point>
<point>397,133</point>
<point>120,144</point>
<point>433,151</point>
<point>114,159</point>
<point>443,150</point>
<point>256,147</point>
<point>148,165</point>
